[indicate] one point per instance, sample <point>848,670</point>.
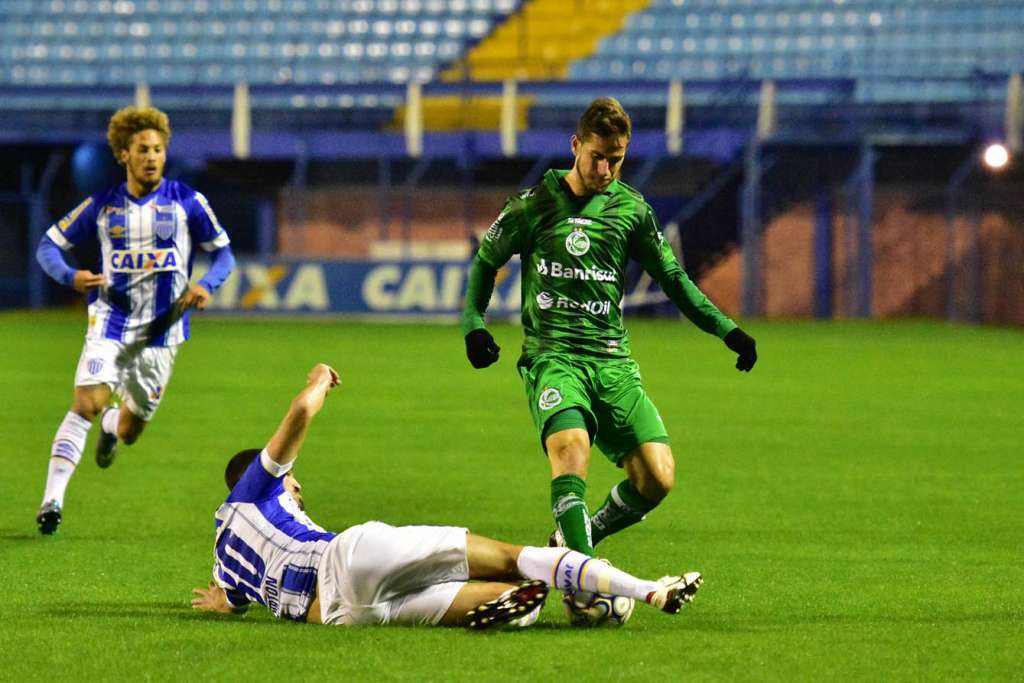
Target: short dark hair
<point>604,118</point>
<point>238,464</point>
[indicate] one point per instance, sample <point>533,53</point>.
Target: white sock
<point>65,454</point>
<point>108,422</point>
<point>570,571</point>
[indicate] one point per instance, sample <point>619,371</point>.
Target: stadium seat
<point>211,41</point>
<point>867,39</point>
<point>177,42</point>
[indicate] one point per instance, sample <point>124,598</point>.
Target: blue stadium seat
<point>213,41</point>
<point>867,39</point>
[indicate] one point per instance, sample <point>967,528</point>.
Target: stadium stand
<point>939,46</point>
<point>325,42</point>
<point>181,42</point>
<point>343,63</point>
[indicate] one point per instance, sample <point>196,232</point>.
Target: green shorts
<point>619,414</point>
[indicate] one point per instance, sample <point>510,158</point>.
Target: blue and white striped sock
<point>65,454</point>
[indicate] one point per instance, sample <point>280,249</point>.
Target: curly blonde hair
<point>131,120</point>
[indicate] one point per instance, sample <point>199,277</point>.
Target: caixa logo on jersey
<point>147,261</point>
<point>546,302</point>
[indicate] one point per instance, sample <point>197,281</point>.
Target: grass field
<point>855,504</point>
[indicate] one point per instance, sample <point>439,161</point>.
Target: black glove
<point>481,349</point>
<point>744,346</point>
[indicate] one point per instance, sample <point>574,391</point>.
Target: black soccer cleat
<point>106,445</point>
<point>48,518</point>
<point>675,592</point>
<point>513,604</point>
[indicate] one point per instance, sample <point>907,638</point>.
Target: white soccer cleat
<point>529,620</point>
<point>675,592</point>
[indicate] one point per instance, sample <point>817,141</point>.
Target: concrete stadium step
<point>537,43</point>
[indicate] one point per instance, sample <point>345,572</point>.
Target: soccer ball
<point>588,609</point>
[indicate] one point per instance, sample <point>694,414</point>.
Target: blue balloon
<point>93,168</point>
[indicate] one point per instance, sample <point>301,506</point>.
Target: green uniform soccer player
<point>575,232</point>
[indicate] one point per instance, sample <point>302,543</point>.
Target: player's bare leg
<point>569,455</point>
<point>498,600</point>
<point>129,426</point>
<point>117,423</point>
<point>66,452</point>
<point>89,400</point>
<point>569,452</point>
<point>490,559</point>
<point>650,470</point>
<point>470,597</point>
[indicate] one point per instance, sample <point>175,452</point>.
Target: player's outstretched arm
<point>287,440</point>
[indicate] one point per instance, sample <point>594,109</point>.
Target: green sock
<point>569,506</point>
<point>623,507</point>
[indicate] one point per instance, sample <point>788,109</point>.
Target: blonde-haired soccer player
<point>148,229</point>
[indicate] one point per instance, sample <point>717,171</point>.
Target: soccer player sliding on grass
<point>268,551</point>
<point>575,233</point>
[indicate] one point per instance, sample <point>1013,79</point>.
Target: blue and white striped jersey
<point>267,549</point>
<point>146,246</point>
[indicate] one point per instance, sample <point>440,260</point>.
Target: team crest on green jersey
<point>577,243</point>
<point>549,398</point>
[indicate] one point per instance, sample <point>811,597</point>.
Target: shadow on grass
<point>15,535</point>
<point>156,611</point>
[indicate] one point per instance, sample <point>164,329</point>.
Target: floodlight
<point>996,156</point>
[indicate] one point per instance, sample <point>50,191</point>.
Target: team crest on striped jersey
<point>95,365</point>
<point>163,222</point>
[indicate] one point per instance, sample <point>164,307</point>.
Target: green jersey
<point>574,252</point>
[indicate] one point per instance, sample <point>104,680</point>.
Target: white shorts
<point>375,573</point>
<point>139,375</point>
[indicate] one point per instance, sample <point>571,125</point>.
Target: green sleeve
<point>505,236</point>
<point>501,241</point>
<point>479,287</point>
<point>649,247</point>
